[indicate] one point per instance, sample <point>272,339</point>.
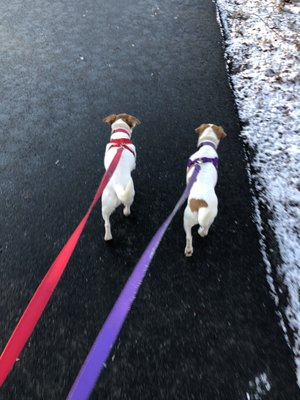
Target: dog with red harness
<point>120,189</point>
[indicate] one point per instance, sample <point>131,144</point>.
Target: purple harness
<point>214,160</point>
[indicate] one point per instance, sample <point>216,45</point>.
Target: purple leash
<point>106,338</point>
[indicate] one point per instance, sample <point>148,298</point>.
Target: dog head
<point>129,120</point>
<point>210,132</point>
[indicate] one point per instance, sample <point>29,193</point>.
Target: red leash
<point>43,293</point>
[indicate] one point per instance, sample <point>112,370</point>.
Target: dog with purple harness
<point>202,204</point>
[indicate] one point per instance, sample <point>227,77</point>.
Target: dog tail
<point>123,193</point>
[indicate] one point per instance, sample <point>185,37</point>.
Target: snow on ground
<point>263,52</point>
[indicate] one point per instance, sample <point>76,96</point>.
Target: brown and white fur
<point>120,188</point>
<point>202,205</point>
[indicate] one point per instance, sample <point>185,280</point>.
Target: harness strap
<point>123,144</point>
<point>214,161</point>
<point>207,144</point>
<point>121,141</point>
<point>121,130</point>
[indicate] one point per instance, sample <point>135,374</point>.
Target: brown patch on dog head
<point>129,119</point>
<point>201,129</point>
<point>219,131</point>
<point>195,204</point>
<point>110,119</point>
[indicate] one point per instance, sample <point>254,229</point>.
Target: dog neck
<point>208,137</point>
<point>207,143</point>
<point>125,130</point>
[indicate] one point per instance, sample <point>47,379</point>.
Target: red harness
<point>122,142</point>
<point>121,130</point>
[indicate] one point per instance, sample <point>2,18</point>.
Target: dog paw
<point>126,212</point>
<point>107,237</point>
<point>202,231</point>
<point>188,252</point>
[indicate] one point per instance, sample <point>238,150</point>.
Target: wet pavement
<point>200,328</point>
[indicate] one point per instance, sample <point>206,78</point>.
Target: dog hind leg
<point>126,196</point>
<point>106,214</point>
<point>187,223</point>
<point>129,200</point>
<point>203,231</point>
<point>109,205</point>
<point>205,219</point>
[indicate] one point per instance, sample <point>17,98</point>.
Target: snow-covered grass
<point>262,47</point>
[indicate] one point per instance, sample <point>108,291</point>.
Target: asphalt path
<point>200,328</point>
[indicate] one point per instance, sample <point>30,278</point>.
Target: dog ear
<point>133,121</point>
<point>130,120</point>
<point>201,128</point>
<point>219,131</point>
<point>110,119</point>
